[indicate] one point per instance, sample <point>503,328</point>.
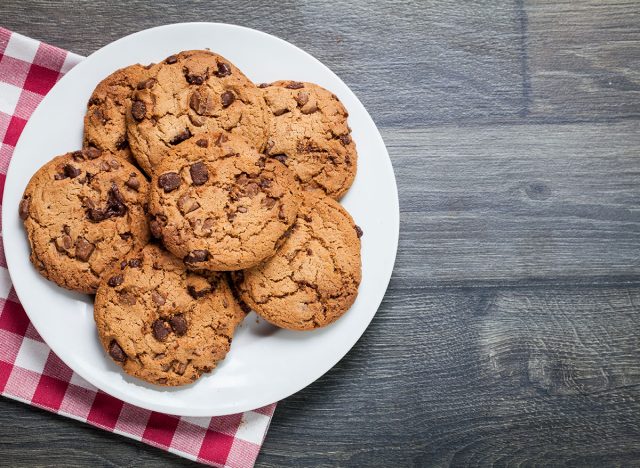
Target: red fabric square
<point>105,411</point>
<point>215,447</point>
<point>160,429</point>
<point>2,179</point>
<point>226,424</point>
<point>9,346</point>
<point>50,57</point>
<point>16,125</point>
<point>5,35</point>
<point>13,71</point>
<point>40,79</point>
<point>266,410</point>
<point>50,392</point>
<point>5,372</point>
<point>13,318</point>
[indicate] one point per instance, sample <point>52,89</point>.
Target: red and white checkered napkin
<point>29,371</point>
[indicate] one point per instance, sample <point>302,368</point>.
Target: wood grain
<point>510,332</point>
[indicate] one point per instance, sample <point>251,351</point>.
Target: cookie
<point>162,323</point>
<point>104,123</point>
<point>218,205</point>
<point>83,212</point>
<point>310,135</point>
<point>313,278</point>
<point>188,94</point>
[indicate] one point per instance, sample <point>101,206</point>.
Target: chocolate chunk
<point>269,202</point>
<point>77,156</point>
<point>171,59</point>
<point>203,143</point>
<point>169,181</point>
<point>179,367</point>
<point>279,112</point>
<point>146,84</point>
<point>71,171</point>
<point>223,70</point>
<point>114,164</point>
<point>281,214</point>
<point>302,98</point>
<point>187,204</point>
<point>208,225</point>
<point>116,352</point>
<point>157,298</point>
<point>123,264</point>
<point>180,137</point>
<point>104,166</point>
<point>127,298</point>
<point>199,173</point>
<point>227,98</point>
<point>309,252</point>
<point>133,183</point>
<point>222,138</point>
<point>197,256</point>
<point>126,235</point>
<point>260,162</point>
<point>294,85</point>
<point>359,231</point>
<point>198,293</point>
<point>115,206</point>
<point>345,139</point>
<point>66,241</point>
<point>264,183</point>
<point>92,152</point>
<point>23,209</point>
<point>84,249</point>
<point>178,324</point>
<point>138,110</point>
<point>201,103</point>
<point>264,85</point>
<point>280,157</point>
<point>66,229</point>
<point>160,330</point>
<point>115,281</point>
<point>195,79</point>
<point>122,143</point>
<point>252,189</point>
<point>309,109</point>
<point>155,228</point>
<point>135,263</point>
<point>98,114</point>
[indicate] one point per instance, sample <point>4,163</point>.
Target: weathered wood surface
<point>510,333</point>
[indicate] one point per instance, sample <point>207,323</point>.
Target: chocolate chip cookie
<point>310,135</point>
<point>192,93</point>
<point>162,323</point>
<point>313,278</point>
<point>84,211</point>
<point>104,123</point>
<point>219,205</point>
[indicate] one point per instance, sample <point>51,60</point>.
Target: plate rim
<point>200,410</point>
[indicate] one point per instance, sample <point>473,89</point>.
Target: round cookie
<point>188,94</point>
<point>162,323</point>
<point>104,123</point>
<point>218,205</point>
<point>313,278</point>
<point>310,135</point>
<point>83,212</point>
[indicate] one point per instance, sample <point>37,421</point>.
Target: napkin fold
<point>29,371</point>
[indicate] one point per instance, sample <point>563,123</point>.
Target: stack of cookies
<point>197,197</point>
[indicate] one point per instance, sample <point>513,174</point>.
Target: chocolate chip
<point>116,352</point>
<point>127,298</point>
<point>359,231</point>
<point>187,204</point>
<point>251,190</point>
<point>66,229</point>
<point>179,367</point>
<point>199,173</point>
<point>104,166</point>
<point>180,137</point>
<point>197,256</point>
<point>309,109</point>
<point>309,252</point>
<point>227,98</point>
<point>67,242</point>
<point>155,228</point>
<point>207,225</point>
<point>223,70</point>
<point>77,156</point>
<point>138,110</point>
<point>115,281</point>
<point>198,293</point>
<point>84,249</point>
<point>92,152</point>
<point>264,85</point>
<point>114,164</point>
<point>345,139</point>
<point>157,298</point>
<point>169,181</point>
<point>115,206</point>
<point>160,330</point>
<point>269,202</point>
<point>201,103</point>
<point>222,138</point>
<point>302,98</point>
<point>135,263</point>
<point>126,235</point>
<point>294,85</point>
<point>71,171</point>
<point>265,183</point>
<point>279,112</point>
<point>280,157</point>
<point>98,114</point>
<point>203,143</point>
<point>133,183</point>
<point>195,79</point>
<point>23,209</point>
<point>260,162</point>
<point>146,84</point>
<point>123,264</point>
<point>171,59</point>
<point>178,324</point>
<point>122,143</point>
<point>281,213</point>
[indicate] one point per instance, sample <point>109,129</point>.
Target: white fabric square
<point>252,427</point>
<point>32,355</point>
<point>22,48</point>
<point>9,96</point>
<point>80,382</point>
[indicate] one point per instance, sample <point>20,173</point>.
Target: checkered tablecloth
<point>29,371</point>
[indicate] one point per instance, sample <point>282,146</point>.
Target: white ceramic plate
<point>265,364</point>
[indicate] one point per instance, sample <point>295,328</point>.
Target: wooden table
<point>510,332</point>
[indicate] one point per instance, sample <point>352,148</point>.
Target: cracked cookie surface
<point>83,212</point>
<point>313,278</point>
<point>104,123</point>
<point>218,205</point>
<point>162,323</point>
<point>188,94</point>
<point>310,135</point>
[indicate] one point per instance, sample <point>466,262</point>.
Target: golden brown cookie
<point>104,123</point>
<point>310,135</point>
<point>313,279</point>
<point>188,94</point>
<point>82,213</point>
<point>219,205</point>
<point>162,323</point>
